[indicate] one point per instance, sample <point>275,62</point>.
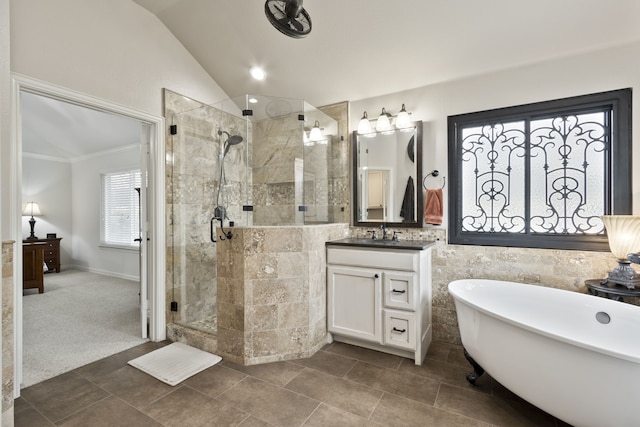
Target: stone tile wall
<point>192,179</point>
<point>274,157</point>
<point>7,333</point>
<point>272,292</point>
<point>339,163</point>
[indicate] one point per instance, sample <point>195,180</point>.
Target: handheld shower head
<point>234,140</point>
<point>231,140</point>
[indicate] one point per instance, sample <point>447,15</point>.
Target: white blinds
<point>120,208</point>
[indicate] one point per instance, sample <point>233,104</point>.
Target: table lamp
<point>31,208</point>
<point>623,232</point>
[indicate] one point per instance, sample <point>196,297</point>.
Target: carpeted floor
<point>81,317</point>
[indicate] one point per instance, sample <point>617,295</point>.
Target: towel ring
<point>434,174</point>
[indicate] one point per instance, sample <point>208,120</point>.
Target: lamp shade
<point>364,126</point>
<point>383,124</point>
<point>31,209</point>
<point>623,232</point>
<point>403,120</point>
<point>315,134</point>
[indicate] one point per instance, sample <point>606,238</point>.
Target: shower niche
<point>237,171</point>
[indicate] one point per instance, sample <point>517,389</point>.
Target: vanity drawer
<point>400,329</point>
<point>399,290</point>
<point>374,258</point>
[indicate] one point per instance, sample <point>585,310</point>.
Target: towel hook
<point>434,174</point>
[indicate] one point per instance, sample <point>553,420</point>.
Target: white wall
<point>48,182</point>
<point>613,68</point>
<point>114,49</point>
<point>87,253</point>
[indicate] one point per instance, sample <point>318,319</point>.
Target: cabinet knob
<point>376,276</point>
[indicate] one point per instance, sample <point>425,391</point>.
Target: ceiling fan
<point>289,17</point>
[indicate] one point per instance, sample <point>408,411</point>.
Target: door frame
<point>156,205</point>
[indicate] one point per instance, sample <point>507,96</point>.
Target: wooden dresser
<point>51,252</point>
<point>32,265</point>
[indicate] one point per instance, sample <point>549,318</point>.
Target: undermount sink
<point>381,243</point>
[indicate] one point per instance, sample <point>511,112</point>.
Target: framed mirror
<point>387,177</point>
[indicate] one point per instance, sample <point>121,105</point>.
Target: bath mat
<point>175,362</point>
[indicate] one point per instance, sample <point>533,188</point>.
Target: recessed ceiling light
<point>253,100</point>
<point>257,73</point>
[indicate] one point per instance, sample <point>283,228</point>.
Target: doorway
<point>149,144</point>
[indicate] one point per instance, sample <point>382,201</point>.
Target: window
<point>541,175</point>
<point>120,208</point>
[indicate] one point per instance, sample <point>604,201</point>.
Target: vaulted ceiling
<point>358,49</point>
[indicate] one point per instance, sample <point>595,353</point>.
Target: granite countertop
<point>415,245</point>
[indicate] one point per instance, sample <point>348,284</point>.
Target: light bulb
<point>403,120</point>
<point>364,127</point>
<point>316,134</point>
<point>383,124</point>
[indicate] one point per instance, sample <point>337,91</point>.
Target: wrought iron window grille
<point>541,175</point>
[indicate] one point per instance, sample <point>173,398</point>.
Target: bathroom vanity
<point>379,295</point>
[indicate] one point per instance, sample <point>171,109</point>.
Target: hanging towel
<point>408,202</point>
<point>433,207</point>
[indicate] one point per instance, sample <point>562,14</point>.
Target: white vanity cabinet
<point>380,297</point>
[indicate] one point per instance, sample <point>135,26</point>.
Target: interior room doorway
<point>148,143</point>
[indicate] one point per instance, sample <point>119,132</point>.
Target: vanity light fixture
<point>305,139</point>
<point>384,121</point>
<point>315,135</point>
<point>623,232</point>
<point>364,127</point>
<point>402,120</point>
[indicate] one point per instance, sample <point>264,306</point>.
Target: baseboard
<point>102,272</point>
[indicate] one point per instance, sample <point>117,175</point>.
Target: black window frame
<point>618,191</point>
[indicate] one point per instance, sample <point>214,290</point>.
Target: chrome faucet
<point>384,231</point>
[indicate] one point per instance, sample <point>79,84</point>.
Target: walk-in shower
<point>244,162</point>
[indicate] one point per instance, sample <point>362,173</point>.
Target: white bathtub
<point>547,346</point>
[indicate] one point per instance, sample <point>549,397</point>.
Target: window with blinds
<point>120,208</point>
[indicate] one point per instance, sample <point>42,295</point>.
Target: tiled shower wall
<point>192,176</point>
<point>339,202</point>
<point>272,292</point>
<point>280,162</point>
<point>275,162</point>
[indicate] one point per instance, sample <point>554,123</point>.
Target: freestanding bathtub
<point>573,355</point>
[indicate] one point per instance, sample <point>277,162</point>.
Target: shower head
<point>234,140</point>
<point>231,140</point>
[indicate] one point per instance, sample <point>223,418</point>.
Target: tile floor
<point>341,385</point>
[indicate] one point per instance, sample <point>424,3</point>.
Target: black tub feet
<point>477,369</point>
